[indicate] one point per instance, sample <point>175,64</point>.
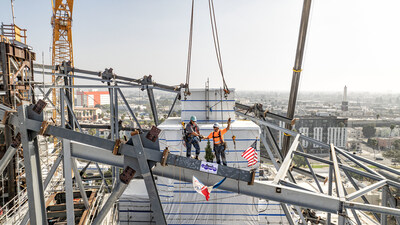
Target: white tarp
<point>216,106</point>
<point>183,205</point>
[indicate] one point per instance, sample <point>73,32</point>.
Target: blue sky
<point>354,43</point>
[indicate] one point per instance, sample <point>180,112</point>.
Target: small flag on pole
<point>204,190</point>
<point>251,154</point>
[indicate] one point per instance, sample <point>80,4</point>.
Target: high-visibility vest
<point>219,136</point>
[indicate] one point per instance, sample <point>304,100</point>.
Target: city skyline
<point>345,45</point>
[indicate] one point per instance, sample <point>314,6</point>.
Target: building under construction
<point>66,164</point>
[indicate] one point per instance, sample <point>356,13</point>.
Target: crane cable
<point>189,59</point>
<point>216,44</point>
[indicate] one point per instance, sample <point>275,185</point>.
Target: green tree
<point>209,155</point>
<point>396,144</point>
<point>299,161</point>
<point>369,131</point>
<point>392,126</point>
<point>92,131</point>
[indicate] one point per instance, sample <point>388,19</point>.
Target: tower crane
<point>62,51</point>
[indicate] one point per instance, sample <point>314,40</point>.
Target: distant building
<point>92,98</point>
<point>345,103</point>
<point>327,129</point>
<point>87,113</point>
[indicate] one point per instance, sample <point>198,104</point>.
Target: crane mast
<point>62,50</point>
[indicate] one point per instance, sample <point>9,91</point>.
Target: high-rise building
<point>345,103</point>
<point>327,129</point>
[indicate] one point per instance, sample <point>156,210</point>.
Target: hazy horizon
<point>356,45</point>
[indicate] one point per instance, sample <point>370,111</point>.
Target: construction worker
<point>218,138</point>
<point>192,137</point>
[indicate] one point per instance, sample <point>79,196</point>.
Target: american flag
<point>251,154</point>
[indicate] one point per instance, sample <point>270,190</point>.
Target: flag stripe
<point>251,155</point>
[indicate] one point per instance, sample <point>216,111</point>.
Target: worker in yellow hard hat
<point>218,138</point>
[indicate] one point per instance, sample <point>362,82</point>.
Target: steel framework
<point>144,159</point>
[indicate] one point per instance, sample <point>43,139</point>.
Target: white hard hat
<point>216,125</point>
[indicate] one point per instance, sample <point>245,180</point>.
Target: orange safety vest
<point>221,138</point>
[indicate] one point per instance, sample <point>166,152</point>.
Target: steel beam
<point>117,192</point>
<point>287,162</point>
<point>33,172</point>
<point>353,211</point>
<point>78,180</point>
<point>372,208</point>
<point>384,196</point>
<point>392,203</point>
<point>339,185</point>
<point>330,178</point>
<point>312,172</point>
<point>365,190</point>
<point>153,105</point>
<point>71,110</point>
<point>271,156</point>
<point>236,179</point>
<point>284,206</point>
<point>357,188</point>
<point>46,183</point>
<point>69,198</point>
<point>129,109</point>
<point>102,177</point>
<point>173,104</point>
<point>348,156</point>
<point>7,158</point>
<point>151,187</point>
<point>268,191</point>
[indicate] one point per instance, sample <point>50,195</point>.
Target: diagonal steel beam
<point>173,104</point>
<point>287,162</point>
<point>129,108</point>
<point>7,158</point>
<point>312,171</point>
<point>365,190</point>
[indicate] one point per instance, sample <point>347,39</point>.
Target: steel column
<point>33,172</point>
<point>384,195</point>
<point>149,181</point>
<point>69,198</point>
<point>339,185</point>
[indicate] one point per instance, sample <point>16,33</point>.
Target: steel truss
<point>144,159</point>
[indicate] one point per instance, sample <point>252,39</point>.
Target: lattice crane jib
<point>62,50</point>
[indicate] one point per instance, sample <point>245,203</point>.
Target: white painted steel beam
<point>365,190</point>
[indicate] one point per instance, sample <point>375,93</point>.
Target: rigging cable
<point>189,59</point>
<point>216,44</point>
